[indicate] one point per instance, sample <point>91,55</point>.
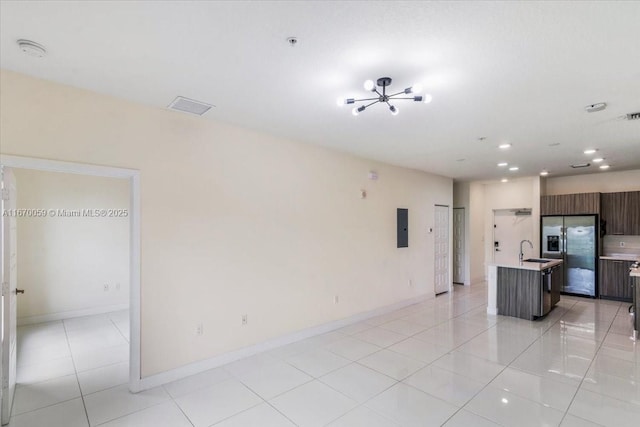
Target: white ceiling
<point>518,72</point>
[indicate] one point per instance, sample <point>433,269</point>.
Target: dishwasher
<point>550,285</point>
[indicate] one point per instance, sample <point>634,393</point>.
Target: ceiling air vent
<point>633,116</point>
<point>190,106</point>
<point>581,165</point>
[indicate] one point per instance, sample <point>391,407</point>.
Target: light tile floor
<point>441,362</point>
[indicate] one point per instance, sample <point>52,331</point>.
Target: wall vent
<point>633,116</point>
<point>581,165</point>
<point>190,106</point>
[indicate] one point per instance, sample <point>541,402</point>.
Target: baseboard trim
<point>30,320</point>
<point>214,362</point>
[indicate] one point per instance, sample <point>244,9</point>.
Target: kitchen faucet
<point>521,255</point>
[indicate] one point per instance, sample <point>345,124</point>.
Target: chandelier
<point>383,97</point>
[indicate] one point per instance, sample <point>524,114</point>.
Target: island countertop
<point>536,266</point>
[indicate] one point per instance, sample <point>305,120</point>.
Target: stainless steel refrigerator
<point>574,239</point>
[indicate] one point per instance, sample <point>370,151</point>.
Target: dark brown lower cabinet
<point>519,293</point>
<point>615,282</point>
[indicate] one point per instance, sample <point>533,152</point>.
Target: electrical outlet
<point>199,329</point>
<point>244,319</point>
<point>622,244</point>
<point>336,299</point>
<point>106,287</point>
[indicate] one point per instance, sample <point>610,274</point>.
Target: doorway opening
<point>459,260</point>
<point>510,227</point>
<point>441,249</point>
<point>109,313</point>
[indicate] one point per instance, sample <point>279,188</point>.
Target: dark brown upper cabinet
<point>621,211</point>
<point>570,204</point>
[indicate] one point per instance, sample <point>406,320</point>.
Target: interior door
<point>509,229</point>
<point>9,285</point>
<point>441,250</point>
<point>458,245</point>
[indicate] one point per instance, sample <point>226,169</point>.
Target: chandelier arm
<point>399,93</point>
<point>374,102</point>
<point>410,97</point>
<point>365,99</point>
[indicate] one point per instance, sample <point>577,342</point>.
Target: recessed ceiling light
<point>590,151</point>
<point>605,167</point>
<point>503,164</point>
<point>504,180</point>
<point>544,173</point>
<point>504,146</point>
<point>513,168</point>
<point>598,160</point>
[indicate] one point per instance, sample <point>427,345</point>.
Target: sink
<point>539,260</point>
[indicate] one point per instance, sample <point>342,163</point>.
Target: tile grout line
<point>84,405</point>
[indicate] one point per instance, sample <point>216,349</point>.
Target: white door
<point>9,284</point>
<point>509,230</point>
<point>441,248</point>
<point>458,245</point>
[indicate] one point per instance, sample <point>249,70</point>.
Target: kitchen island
<point>527,289</point>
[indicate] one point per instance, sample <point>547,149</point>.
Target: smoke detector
<point>31,48</point>
<point>596,107</point>
<point>190,106</point>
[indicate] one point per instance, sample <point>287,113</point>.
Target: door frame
<point>464,245</point>
<point>133,176</point>
<point>449,247</point>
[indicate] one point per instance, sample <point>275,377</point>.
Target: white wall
<point>65,261</point>
<point>236,222</point>
<point>605,182</point>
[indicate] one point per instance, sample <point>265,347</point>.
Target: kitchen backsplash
<point>611,245</point>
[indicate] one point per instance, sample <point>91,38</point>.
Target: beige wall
<point>236,222</point>
<point>66,261</point>
<point>476,232</point>
<point>605,182</point>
